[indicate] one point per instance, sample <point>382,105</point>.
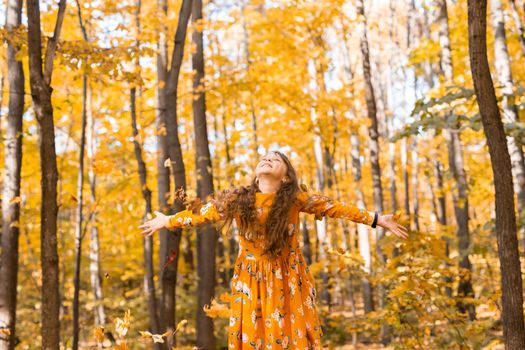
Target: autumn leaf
<point>216,309</point>
<point>98,332</point>
<point>180,325</point>
<point>5,331</point>
<point>171,258</point>
<point>157,338</point>
<point>16,199</point>
<point>122,325</point>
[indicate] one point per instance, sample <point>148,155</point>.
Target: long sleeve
<point>208,212</point>
<point>321,205</point>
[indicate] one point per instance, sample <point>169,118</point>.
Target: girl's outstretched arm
<point>321,205</point>
<point>208,212</point>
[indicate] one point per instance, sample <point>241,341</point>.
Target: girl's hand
<point>388,222</point>
<point>155,224</point>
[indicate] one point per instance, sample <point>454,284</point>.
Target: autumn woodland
<point>111,110</point>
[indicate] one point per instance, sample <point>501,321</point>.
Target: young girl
<point>273,291</point>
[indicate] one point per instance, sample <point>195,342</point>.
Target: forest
<point>110,111</point>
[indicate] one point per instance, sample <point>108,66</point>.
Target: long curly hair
<point>241,201</point>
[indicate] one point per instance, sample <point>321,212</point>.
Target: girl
<point>273,291</point>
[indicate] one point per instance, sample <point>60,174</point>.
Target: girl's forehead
<point>271,155</point>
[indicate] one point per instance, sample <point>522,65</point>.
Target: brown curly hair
<point>241,201</point>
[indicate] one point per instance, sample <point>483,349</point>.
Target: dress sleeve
<point>208,212</point>
<point>321,205</point>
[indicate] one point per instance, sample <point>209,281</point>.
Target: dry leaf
<point>15,200</point>
<point>216,309</point>
<point>99,334</point>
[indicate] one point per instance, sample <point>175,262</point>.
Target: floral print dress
<point>273,301</point>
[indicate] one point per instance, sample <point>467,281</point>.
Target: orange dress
<point>273,304</point>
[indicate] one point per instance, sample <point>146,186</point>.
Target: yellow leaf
<point>216,309</point>
<point>99,333</point>
<point>15,200</point>
<point>180,325</point>
<point>122,325</point>
<point>5,331</point>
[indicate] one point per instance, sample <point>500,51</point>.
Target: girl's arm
<point>208,212</point>
<point>321,205</point>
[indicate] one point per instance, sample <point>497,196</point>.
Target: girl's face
<point>271,165</point>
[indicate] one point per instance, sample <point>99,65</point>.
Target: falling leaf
<point>216,309</point>
<point>180,325</point>
<point>99,334</point>
<point>122,325</point>
<point>171,258</point>
<point>157,338</point>
<point>15,200</point>
<point>106,275</point>
<point>5,331</point>
<point>167,163</point>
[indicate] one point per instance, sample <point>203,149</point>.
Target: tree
<point>11,183</point>
<point>510,110</point>
<point>206,235</point>
<point>170,242</point>
<point>511,281</point>
<point>40,71</point>
<point>457,168</point>
<point>373,132</point>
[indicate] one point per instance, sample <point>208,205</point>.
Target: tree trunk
<point>511,281</point>
<point>374,152</point>
<point>149,283</point>
<point>455,159</point>
<point>510,110</point>
<point>94,244</point>
<point>206,234</point>
<point>79,217</point>
<point>519,24</point>
<point>171,241</point>
<point>11,184</point>
<point>321,225</point>
<point>94,250</point>
<point>167,302</point>
<point>415,197</point>
<point>40,72</point>
<point>362,230</point>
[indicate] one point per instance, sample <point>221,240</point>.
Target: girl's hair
<point>241,201</point>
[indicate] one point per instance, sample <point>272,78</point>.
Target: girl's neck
<point>267,185</point>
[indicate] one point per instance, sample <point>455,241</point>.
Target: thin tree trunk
<point>374,153</point>
<point>79,218</point>
<point>94,246</point>
<point>172,240</point>
<point>246,42</point>
<point>321,225</point>
<point>11,184</point>
<point>362,230</point>
<point>519,24</point>
<point>149,283</point>
<point>511,280</point>
<point>510,110</point>
<point>206,234</point>
<point>456,164</point>
<point>415,197</point>
<point>167,302</point>
<point>40,71</point>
